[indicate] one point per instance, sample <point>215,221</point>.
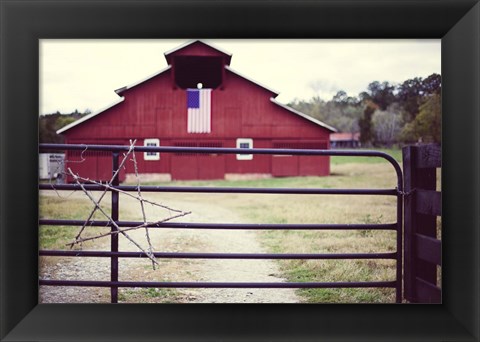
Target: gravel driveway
<point>174,240</point>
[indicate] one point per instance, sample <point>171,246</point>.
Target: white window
<point>244,143</point>
<point>151,155</point>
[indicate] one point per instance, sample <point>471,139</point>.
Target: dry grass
<point>334,209</point>
<point>56,237</point>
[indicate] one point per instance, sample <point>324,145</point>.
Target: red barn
<point>199,101</point>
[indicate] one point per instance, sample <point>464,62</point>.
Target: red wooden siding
<point>95,165</point>
<point>197,165</point>
<point>147,112</point>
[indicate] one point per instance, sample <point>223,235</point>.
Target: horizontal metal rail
<point>177,255</point>
<point>246,285</point>
<point>218,150</point>
<point>222,150</point>
<point>246,226</point>
<point>233,190</point>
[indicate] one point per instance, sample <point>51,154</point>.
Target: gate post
<point>114,237</point>
<point>422,250</point>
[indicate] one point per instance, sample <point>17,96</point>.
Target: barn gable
<point>197,48</point>
<point>231,71</point>
<point>198,63</point>
<point>303,115</point>
<point>262,109</point>
<point>89,116</point>
<point>122,90</point>
<point>155,107</point>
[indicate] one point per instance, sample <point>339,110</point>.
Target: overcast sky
<point>83,74</point>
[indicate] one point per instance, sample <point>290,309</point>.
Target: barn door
<point>183,164</point>
<point>190,166</point>
<point>290,165</point>
<point>211,166</point>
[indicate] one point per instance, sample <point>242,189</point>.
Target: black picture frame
<point>23,23</point>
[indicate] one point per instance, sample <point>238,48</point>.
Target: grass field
<point>332,209</point>
<point>56,237</point>
<point>346,172</point>
<point>395,153</point>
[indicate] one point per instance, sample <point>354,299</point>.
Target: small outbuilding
<point>199,101</point>
<point>50,165</point>
<point>345,140</point>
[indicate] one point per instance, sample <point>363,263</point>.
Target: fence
<point>422,206</point>
<point>114,253</point>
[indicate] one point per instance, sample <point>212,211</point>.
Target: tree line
<point>385,114</point>
<point>48,124</point>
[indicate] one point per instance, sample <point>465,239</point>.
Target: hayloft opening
<point>192,70</point>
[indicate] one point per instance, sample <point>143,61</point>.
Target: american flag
<point>199,110</point>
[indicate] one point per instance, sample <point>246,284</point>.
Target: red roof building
<point>347,139</point>
<point>199,101</point>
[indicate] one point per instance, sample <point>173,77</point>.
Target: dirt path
<point>171,240</point>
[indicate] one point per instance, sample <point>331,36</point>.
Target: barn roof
<point>169,53</point>
<point>121,90</point>
<point>345,136</point>
<point>89,116</point>
<point>303,115</point>
<point>250,80</point>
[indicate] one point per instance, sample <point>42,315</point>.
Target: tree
<point>409,96</point>
<point>412,93</point>
<point>63,120</point>
<point>365,123</point>
<point>382,94</point>
<point>49,124</point>
<point>355,114</point>
<point>427,125</point>
<point>429,120</point>
<point>342,99</point>
<point>341,112</point>
<point>47,128</point>
<point>387,125</point>
<point>433,84</point>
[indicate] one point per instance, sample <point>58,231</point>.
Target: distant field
<point>340,175</point>
<point>395,153</point>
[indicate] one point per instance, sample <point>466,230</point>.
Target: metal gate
<point>114,254</point>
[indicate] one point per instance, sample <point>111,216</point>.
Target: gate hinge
<point>407,193</point>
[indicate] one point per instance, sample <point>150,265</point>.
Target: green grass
<point>332,271</point>
<point>149,295</point>
<point>361,241</point>
<point>396,153</point>
<point>56,237</point>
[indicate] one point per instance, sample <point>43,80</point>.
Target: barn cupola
<point>197,63</point>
